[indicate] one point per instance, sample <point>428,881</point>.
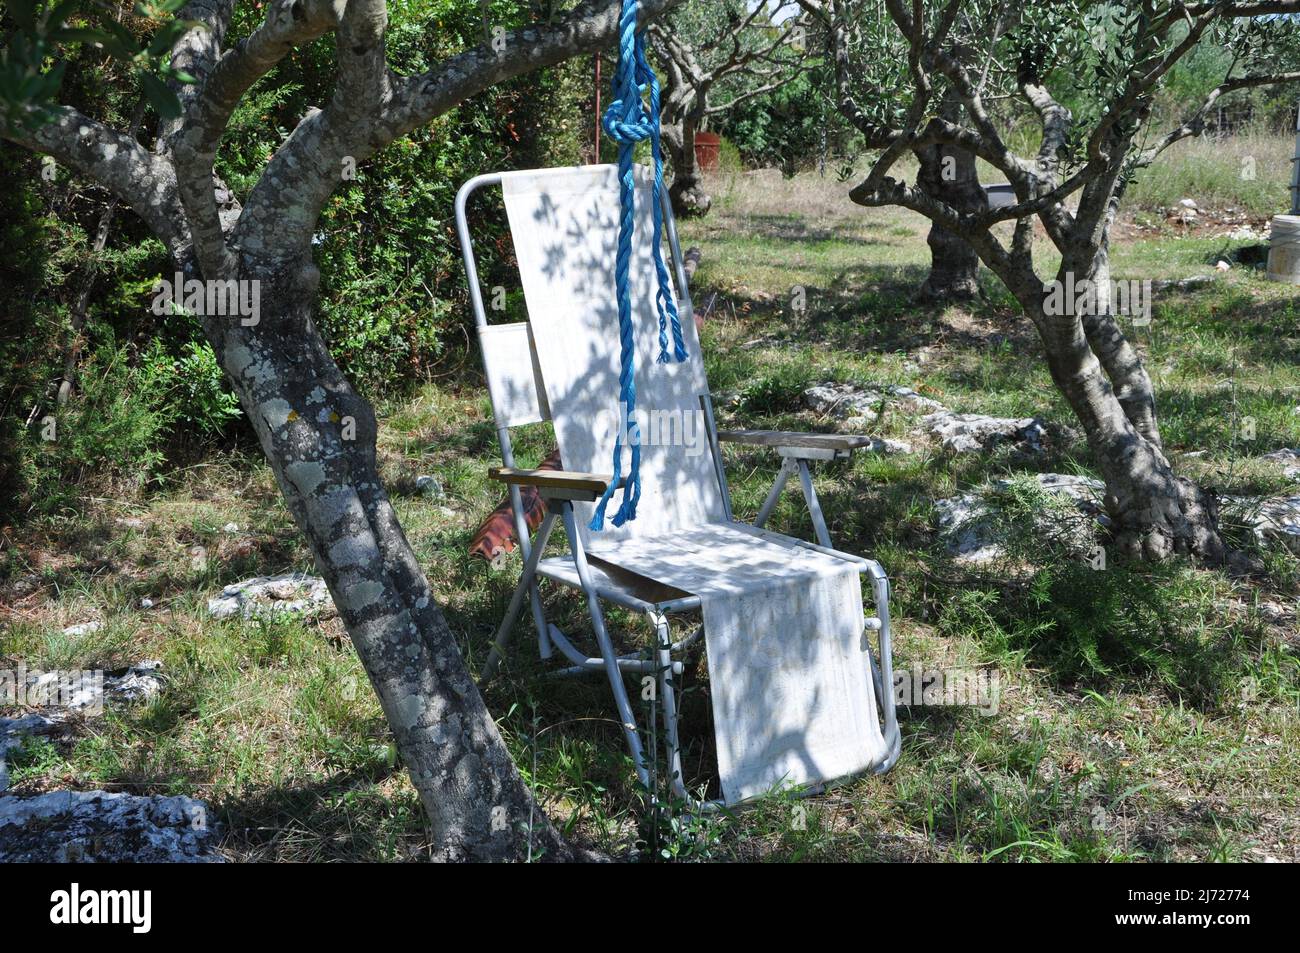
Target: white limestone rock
<point>1276,520</point>
<point>106,827</point>
<point>1290,460</point>
<point>860,406</point>
<point>14,731</point>
<point>269,596</point>
<point>966,525</point>
<point>966,433</point>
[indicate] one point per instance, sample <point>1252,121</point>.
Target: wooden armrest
<point>552,479</point>
<point>782,438</point>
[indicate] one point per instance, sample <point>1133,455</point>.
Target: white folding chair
<point>798,698</point>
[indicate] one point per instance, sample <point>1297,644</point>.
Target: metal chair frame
<point>663,661</point>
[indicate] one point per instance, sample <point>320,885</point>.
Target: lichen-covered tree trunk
<point>1154,513</point>
<point>318,435</point>
<point>1120,360</point>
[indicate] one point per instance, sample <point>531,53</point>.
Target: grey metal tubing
<point>689,641</point>
<point>585,663</point>
<point>672,735</point>
<point>668,695</point>
<point>790,465</point>
<point>685,604</point>
<point>606,645</point>
<point>814,505</point>
<point>685,307</point>
<point>774,494</point>
<point>715,447</point>
<point>864,565</point>
<point>893,738</point>
<point>466,243</point>
<point>525,546</point>
<point>626,665</point>
<point>567,648</point>
<point>525,585</point>
<point>503,433</point>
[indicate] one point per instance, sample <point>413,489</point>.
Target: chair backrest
<point>565,365</point>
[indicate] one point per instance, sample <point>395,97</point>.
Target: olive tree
<point>1113,59</point>
<point>317,433</point>
<point>713,57</point>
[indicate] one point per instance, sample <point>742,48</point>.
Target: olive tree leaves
<point>43,34</point>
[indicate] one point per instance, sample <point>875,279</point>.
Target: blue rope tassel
<point>629,121</point>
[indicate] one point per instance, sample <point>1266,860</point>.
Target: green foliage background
<point>393,292</point>
<point>392,303</point>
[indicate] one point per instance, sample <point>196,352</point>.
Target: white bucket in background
<point>1284,249</point>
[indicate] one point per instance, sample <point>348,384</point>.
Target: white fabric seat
<point>789,670</point>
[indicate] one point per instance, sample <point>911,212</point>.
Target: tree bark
<point>948,174</point>
<point>1154,513</point>
<point>1117,355</point>
<point>687,192</point>
<point>304,411</point>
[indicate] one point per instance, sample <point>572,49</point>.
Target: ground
<point>1144,713</point>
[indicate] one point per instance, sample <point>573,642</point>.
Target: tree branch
<point>283,208</point>
<point>198,49</point>
<point>1194,125</point>
<point>116,161</point>
<point>364,78</point>
<point>288,23</point>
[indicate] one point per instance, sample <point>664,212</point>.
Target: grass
<point>1145,714</point>
<point>1250,171</point>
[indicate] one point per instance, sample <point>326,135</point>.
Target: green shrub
<point>729,158</point>
<point>110,432</point>
<point>197,399</point>
<point>778,392</point>
<point>790,128</point>
<point>30,321</point>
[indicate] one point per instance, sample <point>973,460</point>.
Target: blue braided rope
<point>630,120</point>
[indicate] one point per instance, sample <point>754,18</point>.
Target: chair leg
<point>790,466</point>
<point>774,494</point>
<point>672,731</point>
<point>668,696</point>
<point>524,588</point>
<point>521,529</point>
<point>612,671</point>
<point>814,506</point>
<point>893,739</point>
